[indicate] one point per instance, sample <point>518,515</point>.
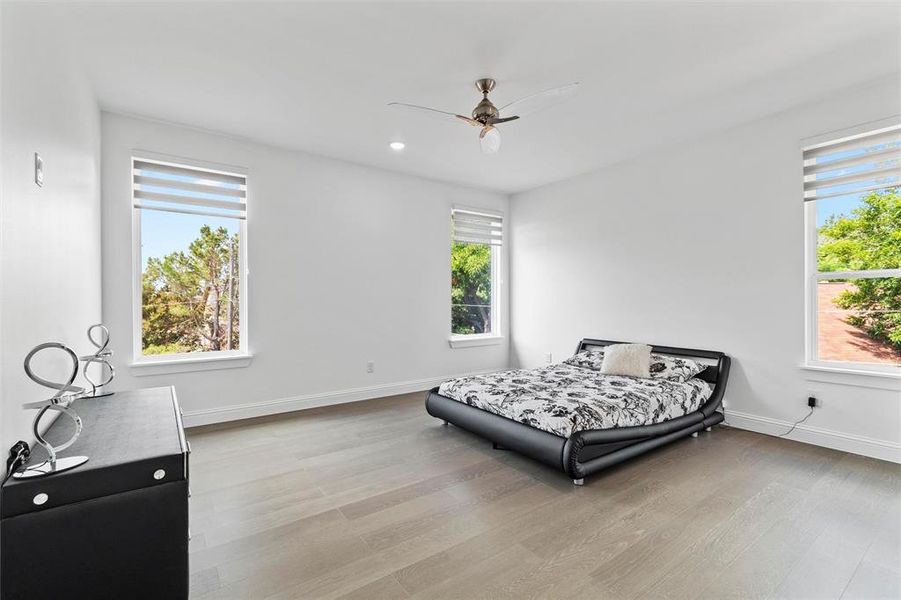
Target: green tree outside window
<point>869,238</point>
<point>190,300</point>
<point>470,288</point>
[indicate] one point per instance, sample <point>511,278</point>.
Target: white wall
<point>347,264</point>
<point>49,236</point>
<point>700,246</point>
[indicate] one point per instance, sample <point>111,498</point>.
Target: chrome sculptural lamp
<point>65,392</point>
<point>101,358</point>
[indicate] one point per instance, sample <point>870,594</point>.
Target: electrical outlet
<point>370,367</point>
<point>812,402</point>
<point>548,357</point>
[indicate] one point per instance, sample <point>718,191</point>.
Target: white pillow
<point>631,360</point>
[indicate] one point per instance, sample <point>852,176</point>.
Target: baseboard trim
<point>223,414</point>
<point>808,434</point>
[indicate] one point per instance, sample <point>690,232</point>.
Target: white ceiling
<point>317,77</point>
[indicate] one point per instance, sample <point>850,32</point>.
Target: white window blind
<point>477,228</point>
<point>190,190</point>
<point>853,165</point>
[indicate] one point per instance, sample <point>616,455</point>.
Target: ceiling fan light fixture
<point>397,146</point>
<point>490,140</point>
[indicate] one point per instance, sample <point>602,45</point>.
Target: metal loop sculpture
<point>65,391</point>
<point>101,357</point>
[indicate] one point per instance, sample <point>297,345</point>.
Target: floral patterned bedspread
<point>563,399</point>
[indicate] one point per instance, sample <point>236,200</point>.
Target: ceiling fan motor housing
<point>485,110</point>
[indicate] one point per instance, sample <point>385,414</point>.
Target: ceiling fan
<point>485,115</point>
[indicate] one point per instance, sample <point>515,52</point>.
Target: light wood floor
<point>379,500</point>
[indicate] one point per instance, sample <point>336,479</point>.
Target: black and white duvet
<point>563,399</point>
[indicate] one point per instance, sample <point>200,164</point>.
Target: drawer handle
<point>40,499</point>
<point>159,474</point>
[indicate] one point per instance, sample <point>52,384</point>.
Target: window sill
<point>471,341</point>
<point>887,380</point>
<point>142,368</point>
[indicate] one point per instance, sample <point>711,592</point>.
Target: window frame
<point>812,274</point>
<point>187,361</point>
<point>495,336</point>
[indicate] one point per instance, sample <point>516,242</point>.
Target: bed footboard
<point>577,453</point>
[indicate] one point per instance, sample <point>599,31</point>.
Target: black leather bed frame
<point>589,451</point>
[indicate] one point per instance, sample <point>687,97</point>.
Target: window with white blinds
<point>478,228</point>
<point>852,193</point>
<point>189,190</point>
<point>855,164</point>
<point>190,287</point>
<point>475,276</point>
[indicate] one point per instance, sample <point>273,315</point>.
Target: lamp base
<point>46,467</point>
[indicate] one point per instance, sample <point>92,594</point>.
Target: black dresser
<point>114,527</point>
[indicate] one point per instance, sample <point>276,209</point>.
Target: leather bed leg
<point>579,481</point>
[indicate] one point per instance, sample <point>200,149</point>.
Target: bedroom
<point>659,187</point>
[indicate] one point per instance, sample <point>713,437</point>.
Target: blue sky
<point>164,232</point>
<point>840,205</point>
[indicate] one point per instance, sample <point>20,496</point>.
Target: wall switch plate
<point>38,170</point>
<point>548,357</point>
<point>370,367</point>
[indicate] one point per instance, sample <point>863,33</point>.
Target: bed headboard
<point>716,374</point>
<point>717,369</point>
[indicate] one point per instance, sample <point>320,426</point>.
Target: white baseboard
<point>208,416</point>
<point>882,449</point>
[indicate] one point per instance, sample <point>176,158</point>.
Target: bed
<point>574,419</point>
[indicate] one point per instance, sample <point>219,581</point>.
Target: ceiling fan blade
<point>472,122</point>
<point>490,140</point>
<point>497,120</point>
<point>429,112</point>
<point>540,100</point>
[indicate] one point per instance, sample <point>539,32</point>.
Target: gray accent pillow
<point>587,359</point>
<point>674,369</point>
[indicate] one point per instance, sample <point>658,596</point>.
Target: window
<point>475,280</point>
<point>852,190</point>
<point>190,290</point>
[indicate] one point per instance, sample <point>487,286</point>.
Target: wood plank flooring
<point>378,500</point>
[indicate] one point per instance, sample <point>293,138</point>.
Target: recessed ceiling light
<point>397,146</point>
